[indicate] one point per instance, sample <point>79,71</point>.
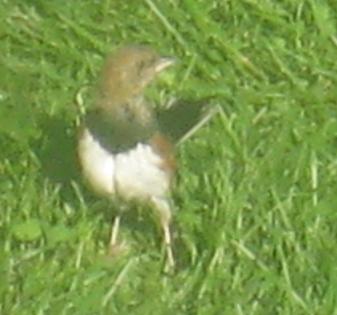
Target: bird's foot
<point>169,261</point>
<point>117,249</point>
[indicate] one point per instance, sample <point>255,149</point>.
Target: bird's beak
<point>163,63</point>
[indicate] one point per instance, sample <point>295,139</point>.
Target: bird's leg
<point>116,248</point>
<point>162,205</point>
<point>114,231</point>
<point>168,244</point>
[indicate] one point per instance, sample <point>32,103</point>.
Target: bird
<point>122,151</point>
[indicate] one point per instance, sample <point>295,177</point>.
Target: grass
<point>256,199</point>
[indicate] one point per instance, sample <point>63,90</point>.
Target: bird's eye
<point>144,64</point>
<point>142,67</point>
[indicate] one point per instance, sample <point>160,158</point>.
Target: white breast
<point>98,165</point>
<point>134,174</point>
<point>139,173</point>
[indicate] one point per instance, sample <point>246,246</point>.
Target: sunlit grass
<point>255,198</point>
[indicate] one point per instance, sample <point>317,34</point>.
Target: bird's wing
<point>180,118</point>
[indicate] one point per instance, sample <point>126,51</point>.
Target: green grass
<point>255,221</point>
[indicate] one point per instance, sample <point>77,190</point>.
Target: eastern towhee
<point>122,151</point>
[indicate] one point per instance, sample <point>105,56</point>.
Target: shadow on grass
<point>57,153</point>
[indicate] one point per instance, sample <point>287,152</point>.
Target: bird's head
<point>127,72</point>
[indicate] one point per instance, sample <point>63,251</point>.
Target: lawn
<point>256,194</point>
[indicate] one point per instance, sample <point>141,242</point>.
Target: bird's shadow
<point>56,152</point>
